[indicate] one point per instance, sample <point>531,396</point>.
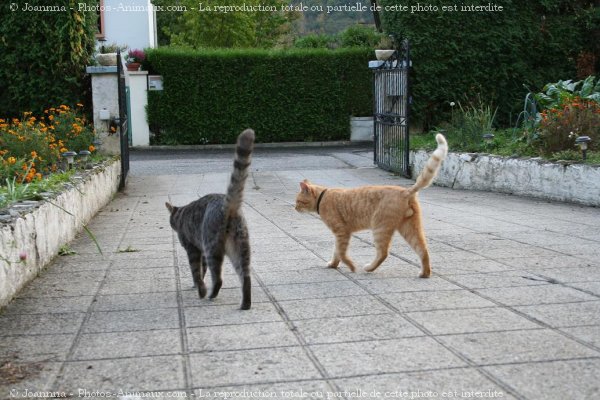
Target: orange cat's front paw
<point>333,264</point>
<point>425,275</point>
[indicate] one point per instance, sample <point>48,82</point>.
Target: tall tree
<point>227,23</point>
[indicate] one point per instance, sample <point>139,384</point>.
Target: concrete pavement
<point>512,309</point>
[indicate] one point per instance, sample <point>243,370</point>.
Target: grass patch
<point>13,191</point>
<point>129,249</point>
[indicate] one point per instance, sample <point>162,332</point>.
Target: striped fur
<point>432,166</point>
<point>235,191</point>
<point>213,227</point>
<point>384,210</point>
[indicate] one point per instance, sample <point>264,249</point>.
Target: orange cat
<point>383,209</point>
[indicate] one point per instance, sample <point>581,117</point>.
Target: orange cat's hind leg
<point>412,231</point>
<point>382,239</point>
<point>342,241</point>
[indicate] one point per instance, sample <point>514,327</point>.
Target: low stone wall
<point>561,181</point>
<point>32,232</point>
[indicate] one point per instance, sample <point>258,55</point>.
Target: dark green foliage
<point>209,96</point>
<point>353,36</point>
<point>458,55</point>
<point>316,41</point>
<point>43,55</point>
<point>359,36</point>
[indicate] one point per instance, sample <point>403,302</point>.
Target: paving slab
<point>511,311</point>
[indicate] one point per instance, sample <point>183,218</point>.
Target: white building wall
<point>130,22</point>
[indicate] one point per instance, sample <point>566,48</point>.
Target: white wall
<point>130,22</point>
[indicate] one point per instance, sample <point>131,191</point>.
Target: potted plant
<point>135,57</point>
<point>107,55</point>
<point>385,48</point>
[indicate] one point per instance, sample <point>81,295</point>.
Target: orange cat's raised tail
<point>433,165</point>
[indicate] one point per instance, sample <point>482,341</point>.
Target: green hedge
<point>43,55</point>
<point>458,55</point>
<point>210,96</point>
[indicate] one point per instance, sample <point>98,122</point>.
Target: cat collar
<point>319,199</point>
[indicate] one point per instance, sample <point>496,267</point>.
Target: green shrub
<point>316,41</point>
<point>493,53</point>
<point>209,96</point>
<point>560,125</point>
<point>469,123</point>
<point>360,36</point>
<point>43,56</point>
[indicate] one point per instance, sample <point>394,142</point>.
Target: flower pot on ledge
<point>133,66</point>
<point>107,59</point>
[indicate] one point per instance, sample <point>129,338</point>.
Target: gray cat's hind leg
<point>198,268</point>
<point>215,264</point>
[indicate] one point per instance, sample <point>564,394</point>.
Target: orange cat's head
<point>306,199</point>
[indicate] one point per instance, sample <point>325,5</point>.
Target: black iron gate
<point>391,111</point>
<point>122,121</point>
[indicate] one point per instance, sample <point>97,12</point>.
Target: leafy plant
<point>561,92</point>
<point>66,250</point>
<point>469,123</point>
<point>112,48</point>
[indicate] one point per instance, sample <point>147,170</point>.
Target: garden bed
<point>535,177</point>
<point>32,232</point>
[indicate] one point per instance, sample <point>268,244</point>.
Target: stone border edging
<point>43,228</point>
<point>535,177</point>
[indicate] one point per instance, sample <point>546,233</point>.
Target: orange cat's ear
<point>304,187</point>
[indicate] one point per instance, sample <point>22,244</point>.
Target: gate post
<point>138,100</point>
<point>105,100</point>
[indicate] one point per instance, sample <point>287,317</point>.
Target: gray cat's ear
<point>169,207</point>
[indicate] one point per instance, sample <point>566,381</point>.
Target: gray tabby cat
<point>213,227</point>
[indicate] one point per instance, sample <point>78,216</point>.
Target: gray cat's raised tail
<point>243,156</point>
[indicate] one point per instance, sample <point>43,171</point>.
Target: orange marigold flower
<point>63,149</point>
<point>34,154</point>
<point>38,176</point>
<point>79,105</point>
<point>50,117</point>
<point>11,160</point>
<point>91,148</point>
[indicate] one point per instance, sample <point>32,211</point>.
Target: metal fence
<point>391,110</point>
<point>123,121</point>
